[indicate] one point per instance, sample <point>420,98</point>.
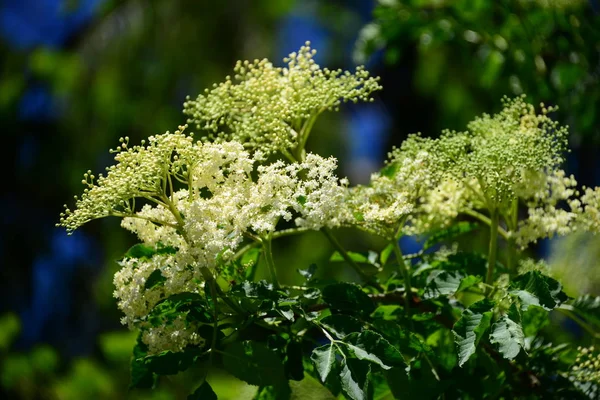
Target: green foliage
<point>543,48</point>
<point>533,288</point>
<point>414,326</point>
<point>470,328</point>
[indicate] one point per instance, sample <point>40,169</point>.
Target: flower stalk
<point>493,248</point>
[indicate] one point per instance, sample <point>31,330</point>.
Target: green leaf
<point>368,262</point>
<point>452,232</point>
<point>173,306</point>
<point>140,251</point>
<point>309,272</point>
<point>324,358</point>
<point>155,279</point>
<point>386,252</point>
<point>533,320</point>
<point>470,328</point>
<point>388,312</point>
<point>294,367</point>
<point>471,263</point>
<point>389,170</point>
<point>356,257</point>
<point>354,378</point>
<point>371,346</point>
<point>508,336</point>
<point>341,325</point>
<point>468,282</point>
<point>588,307</point>
<point>408,342</point>
<point>348,297</point>
<point>536,289</point>
<point>255,364</point>
<point>141,376</point>
<point>170,363</point>
<point>420,384</point>
<point>204,392</point>
<point>448,283</point>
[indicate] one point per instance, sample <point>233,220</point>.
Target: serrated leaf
<point>442,283</point>
<point>324,358</point>
<point>348,297</point>
<point>408,342</point>
<point>452,232</point>
<point>508,336</point>
<point>255,364</point>
<point>341,325</point>
<point>534,288</point>
<point>470,328</point>
<point>354,378</point>
<point>204,392</point>
<point>470,263</point>
<point>448,283</point>
<point>371,346</point>
<point>588,307</point>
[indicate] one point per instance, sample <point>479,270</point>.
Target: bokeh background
<point>75,75</point>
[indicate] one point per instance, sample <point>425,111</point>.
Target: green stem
<point>266,242</point>
<point>512,256</point>
<point>486,221</point>
<point>349,259</point>
<point>213,293</point>
<point>512,222</point>
<point>209,279</point>
<point>406,275</point>
<point>493,249</point>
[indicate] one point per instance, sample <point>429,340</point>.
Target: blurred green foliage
<point>469,53</point>
<point>40,373</point>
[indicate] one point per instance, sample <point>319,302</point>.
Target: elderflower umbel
<point>587,366</point>
<point>272,108</point>
<point>200,199</point>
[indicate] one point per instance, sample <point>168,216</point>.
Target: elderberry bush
<point>446,322</point>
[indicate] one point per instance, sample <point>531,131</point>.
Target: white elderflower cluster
<point>134,299</point>
<point>200,200</point>
<point>393,195</point>
<point>590,218</point>
<point>530,265</point>
<point>140,172</point>
<point>546,195</point>
<point>175,336</point>
<point>272,108</point>
<point>587,366</point>
<point>505,145</point>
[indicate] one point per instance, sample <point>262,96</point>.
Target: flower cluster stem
<point>406,275</point>
<point>493,249</point>
<point>266,243</point>
<point>349,259</point>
